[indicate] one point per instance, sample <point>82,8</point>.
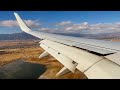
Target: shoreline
<point>20,69</point>
<point>31,54</point>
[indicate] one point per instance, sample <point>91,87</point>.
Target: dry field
<point>30,50</point>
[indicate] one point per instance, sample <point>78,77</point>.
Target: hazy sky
<point>91,22</point>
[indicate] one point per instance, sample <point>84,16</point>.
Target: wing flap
<point>104,69</point>
<point>60,57</point>
<point>83,58</point>
<point>114,57</point>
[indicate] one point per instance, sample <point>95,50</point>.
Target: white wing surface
<point>95,58</point>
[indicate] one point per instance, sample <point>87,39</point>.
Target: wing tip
<point>21,23</point>
<point>15,13</point>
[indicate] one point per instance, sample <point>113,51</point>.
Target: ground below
<point>30,50</point>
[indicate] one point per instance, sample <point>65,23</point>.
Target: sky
<point>87,22</point>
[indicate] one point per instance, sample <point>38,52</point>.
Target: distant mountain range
<point>16,36</point>
<point>24,36</point>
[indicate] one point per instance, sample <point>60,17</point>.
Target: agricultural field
<point>29,50</point>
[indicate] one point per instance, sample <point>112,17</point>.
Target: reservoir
<point>20,69</point>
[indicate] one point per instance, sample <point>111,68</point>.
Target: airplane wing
<point>95,58</point>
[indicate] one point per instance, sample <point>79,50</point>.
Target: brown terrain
<point>30,50</point>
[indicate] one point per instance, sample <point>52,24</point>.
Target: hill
<point>16,36</point>
<point>25,36</point>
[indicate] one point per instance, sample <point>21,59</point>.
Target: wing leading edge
<point>98,46</point>
<point>81,57</point>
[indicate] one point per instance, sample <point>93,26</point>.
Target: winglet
<point>21,23</point>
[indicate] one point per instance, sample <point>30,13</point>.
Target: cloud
<point>63,23</point>
<point>75,27</point>
<point>85,27</point>
<point>44,29</point>
<point>12,23</point>
<point>104,28</point>
<point>68,26</point>
<point>93,28</point>
<point>49,30</point>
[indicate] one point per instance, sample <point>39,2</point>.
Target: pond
<point>20,69</point>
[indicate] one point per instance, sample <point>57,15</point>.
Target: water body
<point>20,69</point>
